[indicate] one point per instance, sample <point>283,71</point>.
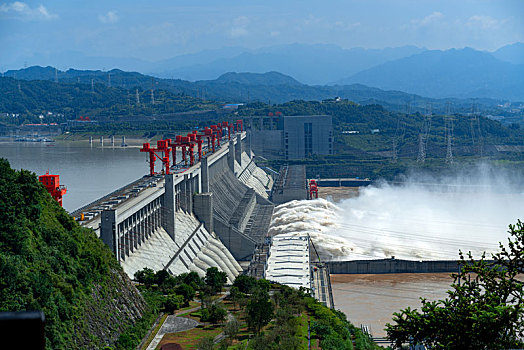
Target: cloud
<point>429,19</point>
<point>274,33</point>
<point>23,11</point>
<point>484,22</point>
<point>109,17</point>
<point>239,27</point>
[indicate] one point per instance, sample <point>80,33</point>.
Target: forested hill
<point>48,262</point>
<point>75,99</point>
<point>271,87</point>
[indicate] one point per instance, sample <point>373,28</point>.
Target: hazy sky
<point>154,30</point>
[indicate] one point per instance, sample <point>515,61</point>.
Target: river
<point>371,300</point>
<point>87,172</point>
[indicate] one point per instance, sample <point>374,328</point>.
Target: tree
<point>168,285</point>
<point>215,279</point>
<point>259,311</point>
<point>145,276</point>
<point>232,328</point>
<point>235,295</point>
<point>205,343</point>
<point>483,309</point>
<point>193,279</point>
<point>186,291</point>
<point>263,284</point>
<point>245,283</point>
<point>161,276</point>
<point>173,302</point>
<point>217,313</point>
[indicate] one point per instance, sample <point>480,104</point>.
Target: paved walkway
<point>172,324</point>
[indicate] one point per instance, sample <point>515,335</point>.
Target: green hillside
<point>48,262</point>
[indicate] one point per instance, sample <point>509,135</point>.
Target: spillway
<point>411,222</point>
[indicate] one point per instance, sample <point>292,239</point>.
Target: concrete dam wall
<point>208,215</point>
<point>241,214</point>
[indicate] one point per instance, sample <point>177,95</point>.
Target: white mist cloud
<point>424,218</point>
<point>109,17</point>
<point>24,11</point>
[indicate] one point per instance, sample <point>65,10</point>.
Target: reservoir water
<point>87,172</point>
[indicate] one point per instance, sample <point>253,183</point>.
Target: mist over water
<point>422,218</point>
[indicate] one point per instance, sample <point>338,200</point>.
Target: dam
<point>214,213</point>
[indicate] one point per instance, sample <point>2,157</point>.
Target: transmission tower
<point>449,140</point>
<point>421,158</point>
<point>109,79</point>
<point>56,75</point>
<point>480,143</point>
<point>137,98</point>
<point>152,91</point>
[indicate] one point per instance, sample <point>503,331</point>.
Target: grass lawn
<point>155,331</point>
<point>189,339</point>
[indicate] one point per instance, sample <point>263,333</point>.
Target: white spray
<point>421,219</point>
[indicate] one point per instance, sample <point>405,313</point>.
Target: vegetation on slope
<point>251,317</point>
<point>48,262</point>
<point>370,154</point>
<point>31,98</point>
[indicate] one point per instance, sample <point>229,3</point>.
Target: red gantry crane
<point>313,189</point>
<point>162,146</point>
<point>52,184</point>
<point>213,134</point>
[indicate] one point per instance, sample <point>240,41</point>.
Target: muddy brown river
<point>372,299</point>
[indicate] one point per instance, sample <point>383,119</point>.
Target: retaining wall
<point>392,266</point>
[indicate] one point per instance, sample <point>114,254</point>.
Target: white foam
<point>411,221</point>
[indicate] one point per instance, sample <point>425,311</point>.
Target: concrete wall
<point>267,143</point>
<point>244,210</point>
<point>297,143</point>
<point>240,245</point>
<point>391,266</point>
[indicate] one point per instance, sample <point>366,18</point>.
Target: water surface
<point>88,172</point>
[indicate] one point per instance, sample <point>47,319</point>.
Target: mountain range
<point>454,73</point>
<point>272,87</point>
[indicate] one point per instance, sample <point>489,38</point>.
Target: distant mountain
<point>453,73</point>
<point>234,87</point>
<point>513,53</point>
<point>269,78</point>
<point>310,64</point>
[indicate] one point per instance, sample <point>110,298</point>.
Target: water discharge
<point>422,218</point>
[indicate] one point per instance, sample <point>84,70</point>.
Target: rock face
<point>114,306</point>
